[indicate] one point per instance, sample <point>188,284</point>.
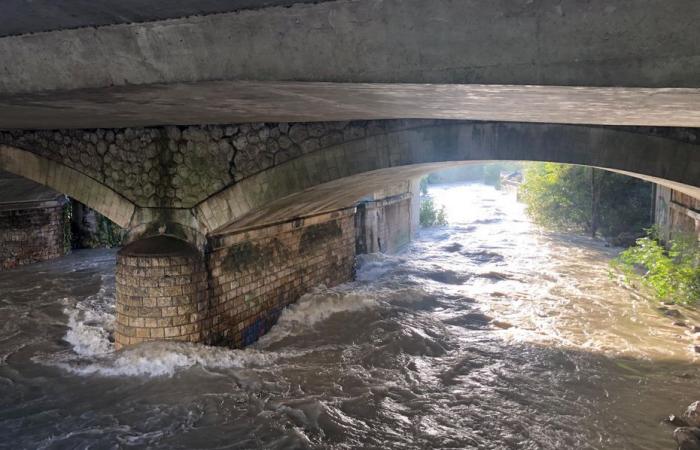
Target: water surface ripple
<point>486,334</point>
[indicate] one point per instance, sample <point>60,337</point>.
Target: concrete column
<point>161,292</point>
<point>676,213</point>
<point>387,221</point>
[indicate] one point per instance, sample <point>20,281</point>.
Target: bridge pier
<point>161,292</point>
<point>255,273</point>
<point>234,291</point>
<point>32,222</point>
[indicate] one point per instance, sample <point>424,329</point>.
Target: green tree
<point>586,199</point>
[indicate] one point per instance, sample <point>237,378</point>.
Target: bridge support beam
<point>161,292</point>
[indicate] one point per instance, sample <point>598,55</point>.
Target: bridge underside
<point>218,102</point>
<point>190,182</point>
<point>138,63</point>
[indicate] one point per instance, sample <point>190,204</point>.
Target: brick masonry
<point>165,290</point>
<point>161,292</point>
<point>31,234</point>
<point>255,274</point>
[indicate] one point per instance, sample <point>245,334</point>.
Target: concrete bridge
<point>311,106</point>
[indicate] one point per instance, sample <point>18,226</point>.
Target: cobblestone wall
<point>256,274</point>
<point>30,235</point>
<point>181,166</point>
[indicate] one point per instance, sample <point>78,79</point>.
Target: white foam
<point>88,340</point>
<point>90,322</point>
<point>157,359</point>
<point>317,306</point>
<point>372,266</point>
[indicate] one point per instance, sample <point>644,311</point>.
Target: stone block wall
<point>256,273</point>
<point>31,234</point>
<point>676,213</point>
<point>384,225</point>
<point>161,292</point>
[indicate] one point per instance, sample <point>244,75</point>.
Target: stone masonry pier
<point>32,222</point>
<point>233,293</point>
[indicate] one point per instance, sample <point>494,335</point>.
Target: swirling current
<point>486,334</point>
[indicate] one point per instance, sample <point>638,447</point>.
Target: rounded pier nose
<point>161,292</point>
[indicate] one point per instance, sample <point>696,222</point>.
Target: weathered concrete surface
<point>384,226</point>
<point>34,16</point>
<point>243,101</point>
<point>337,175</point>
<point>132,74</point>
<point>69,181</point>
<point>676,214</point>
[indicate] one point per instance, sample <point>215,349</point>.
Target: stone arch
<point>68,181</point>
<point>352,169</point>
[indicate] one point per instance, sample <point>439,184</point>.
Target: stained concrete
<point>223,102</point>
<point>162,72</point>
<point>33,16</point>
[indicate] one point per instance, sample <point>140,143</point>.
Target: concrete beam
<point>239,66</point>
<point>35,16</point>
<point>216,102</point>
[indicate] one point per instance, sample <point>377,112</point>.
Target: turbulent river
<point>486,334</point>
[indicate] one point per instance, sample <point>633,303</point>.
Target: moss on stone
<point>317,235</point>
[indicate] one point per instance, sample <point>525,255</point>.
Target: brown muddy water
<point>486,334</point>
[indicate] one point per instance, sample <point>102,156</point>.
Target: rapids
<point>485,334</point>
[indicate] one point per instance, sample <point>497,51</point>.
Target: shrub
<point>672,275</point>
<point>430,215</point>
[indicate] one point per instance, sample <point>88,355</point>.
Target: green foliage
<point>67,232</point>
<point>90,229</point>
<point>430,215</point>
<point>109,234</point>
<point>580,198</point>
<point>672,275</point>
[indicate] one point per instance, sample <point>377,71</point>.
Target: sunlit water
<point>485,334</point>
